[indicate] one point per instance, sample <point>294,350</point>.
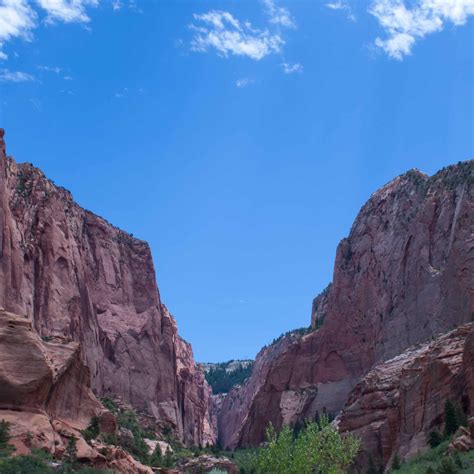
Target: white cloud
<point>221,31</point>
<point>54,69</point>
<point>292,68</point>
<point>244,82</point>
<point>342,6</point>
<point>405,25</point>
<point>15,76</point>
<point>279,15</point>
<point>17,20</point>
<point>68,11</point>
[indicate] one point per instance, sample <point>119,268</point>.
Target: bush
<point>447,466</point>
<point>92,431</point>
<point>434,439</point>
<point>319,446</point>
<point>396,463</point>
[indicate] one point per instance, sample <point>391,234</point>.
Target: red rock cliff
<point>399,402</point>
<point>404,273</point>
<point>75,275</point>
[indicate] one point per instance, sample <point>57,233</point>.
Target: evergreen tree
<point>5,448</point>
<point>434,439</point>
<point>371,468</point>
<point>396,463</point>
<point>451,423</point>
<point>70,455</point>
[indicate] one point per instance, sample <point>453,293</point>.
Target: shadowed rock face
<point>404,273</point>
<point>75,275</point>
<point>399,402</point>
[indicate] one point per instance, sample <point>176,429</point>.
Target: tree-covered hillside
<point>224,376</point>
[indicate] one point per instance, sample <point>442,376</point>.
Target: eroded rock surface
<point>404,274</point>
<point>46,398</point>
<point>399,402</point>
<point>74,275</point>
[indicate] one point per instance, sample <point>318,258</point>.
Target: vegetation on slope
<point>39,461</point>
<point>223,377</point>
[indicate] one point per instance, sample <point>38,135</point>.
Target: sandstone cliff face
<point>75,275</point>
<point>399,402</point>
<point>404,273</point>
<point>46,397</point>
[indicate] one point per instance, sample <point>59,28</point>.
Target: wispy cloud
<point>15,76</point>
<point>279,15</point>
<point>54,69</point>
<point>405,25</point>
<point>292,68</point>
<point>243,82</point>
<point>221,31</point>
<point>343,6</point>
<point>19,18</point>
<point>68,11</point>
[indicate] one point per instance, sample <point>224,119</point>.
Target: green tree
<point>23,465</point>
<point>168,459</point>
<point>451,422</point>
<point>371,469</point>
<point>5,447</point>
<point>70,455</point>
<point>447,466</point>
<point>317,448</point>
<point>434,439</point>
<point>396,463</point>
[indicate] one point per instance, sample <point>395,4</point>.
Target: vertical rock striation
<point>404,273</point>
<point>399,402</point>
<point>75,275</point>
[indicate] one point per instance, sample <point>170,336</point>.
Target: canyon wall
<point>398,403</point>
<point>74,275</point>
<point>404,274</point>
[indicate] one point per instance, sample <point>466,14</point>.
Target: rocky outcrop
<point>74,275</point>
<point>46,397</point>
<point>399,402</point>
<point>404,273</point>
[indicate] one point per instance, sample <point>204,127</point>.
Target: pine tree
<point>70,455</point>
<point>450,418</point>
<point>396,462</point>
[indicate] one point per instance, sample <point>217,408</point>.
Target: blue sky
<point>239,138</point>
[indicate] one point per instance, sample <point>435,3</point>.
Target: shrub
<point>23,465</point>
<point>319,446</point>
<point>92,431</point>
<point>447,466</point>
<point>396,463</point>
<point>434,439</point>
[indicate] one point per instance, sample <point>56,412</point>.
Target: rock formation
<point>46,398</point>
<point>399,402</point>
<point>74,275</point>
<point>404,273</point>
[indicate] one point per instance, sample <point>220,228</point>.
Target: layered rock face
<point>46,398</point>
<point>404,274</point>
<point>399,402</point>
<point>75,275</point>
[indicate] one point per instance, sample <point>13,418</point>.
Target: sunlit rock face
<point>398,403</point>
<point>46,399</point>
<point>404,274</point>
<point>75,275</point>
